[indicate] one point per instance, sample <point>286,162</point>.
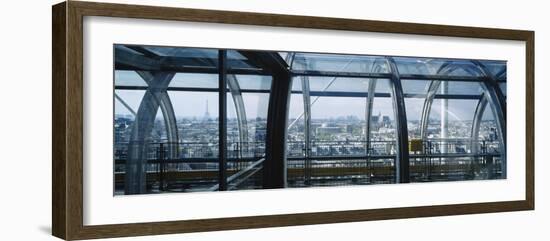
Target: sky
<point>194,104</point>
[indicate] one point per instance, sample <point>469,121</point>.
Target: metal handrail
<point>239,173</point>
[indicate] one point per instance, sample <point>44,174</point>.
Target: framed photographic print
<point>170,120</point>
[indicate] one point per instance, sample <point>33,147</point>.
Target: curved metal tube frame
<point>497,102</point>
<point>307,125</point>
<point>235,90</point>
<point>476,124</point>
<point>165,104</point>
<point>155,97</point>
<point>402,133</point>
<point>492,95</point>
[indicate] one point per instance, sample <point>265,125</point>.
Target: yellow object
<point>415,145</point>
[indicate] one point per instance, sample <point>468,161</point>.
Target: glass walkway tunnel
<point>196,119</point>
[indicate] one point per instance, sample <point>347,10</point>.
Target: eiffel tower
<point>206,116</point>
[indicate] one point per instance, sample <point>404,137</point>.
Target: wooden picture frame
<point>67,124</point>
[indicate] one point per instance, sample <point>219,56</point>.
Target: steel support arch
<point>135,178</point>
<point>476,124</point>
<point>304,81</point>
<point>168,113</point>
<point>445,69</point>
<point>492,85</point>
<point>371,90</point>
<point>376,68</point>
<point>236,95</point>
<point>222,120</point>
<point>275,168</point>
<point>402,162</point>
<point>430,96</point>
<point>490,93</point>
<point>497,102</point>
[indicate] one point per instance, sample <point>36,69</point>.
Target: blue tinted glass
<point>194,80</point>
<point>502,87</point>
<point>421,66</point>
<point>415,86</point>
<point>496,68</point>
<point>461,87</point>
<point>183,52</point>
<point>254,82</point>
<point>128,78</point>
<point>340,63</point>
<point>436,66</point>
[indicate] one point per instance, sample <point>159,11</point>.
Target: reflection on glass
<point>194,80</point>
<point>460,88</point>
<point>335,62</point>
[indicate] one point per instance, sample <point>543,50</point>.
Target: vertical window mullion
<point>222,119</point>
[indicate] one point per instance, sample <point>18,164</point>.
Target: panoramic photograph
<point>192,119</point>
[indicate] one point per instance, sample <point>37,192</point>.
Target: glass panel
<point>495,67</point>
<point>246,130</point>
<point>296,85</point>
<point>340,63</point>
<point>446,153</point>
<point>198,53</point>
<point>192,80</point>
<point>488,148</point>
<point>254,119</point>
<point>502,77</point>
<point>350,85</point>
<point>414,107</point>
<point>420,66</point>
<point>460,88</point>
<point>382,138</point>
<point>128,78</point>
<point>383,124</point>
<point>383,128</point>
<point>418,167</point>
<point>168,139</point>
<point>126,105</point>
<point>296,126</point>
<point>127,49</point>
<point>337,126</point>
<point>448,142</point>
<point>502,87</point>
<point>458,115</point>
<point>433,66</point>
<point>235,60</point>
<point>254,82</point>
<point>197,124</point>
<point>235,55</point>
<point>256,105</point>
<point>128,102</point>
<point>337,132</point>
<point>298,147</point>
<point>488,127</point>
<point>185,57</point>
<point>383,86</point>
<point>461,68</point>
<point>195,106</point>
<point>339,84</point>
<point>417,87</point>
<point>284,55</point>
